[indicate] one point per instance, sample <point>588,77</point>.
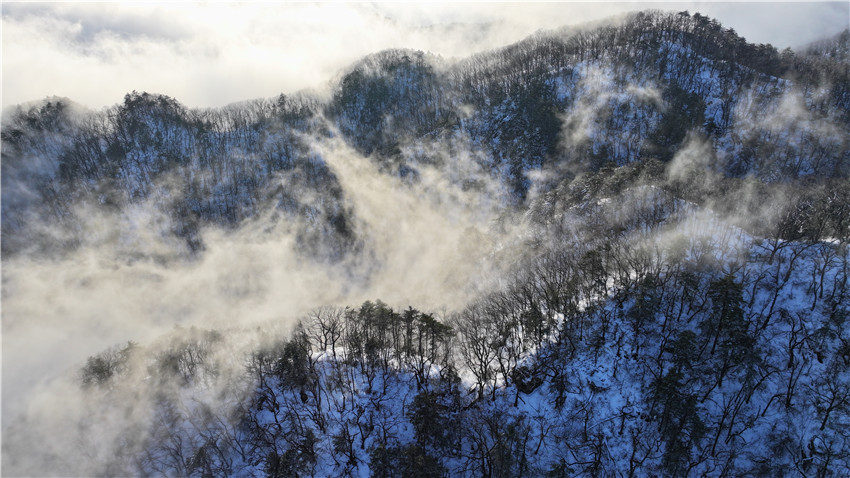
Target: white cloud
<point>213,54</point>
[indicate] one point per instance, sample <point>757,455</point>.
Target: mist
<point>427,241</point>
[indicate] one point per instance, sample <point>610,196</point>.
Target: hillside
<point>615,250</point>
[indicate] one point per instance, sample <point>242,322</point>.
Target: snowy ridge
<point>705,351</point>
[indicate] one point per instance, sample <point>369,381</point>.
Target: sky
<point>212,54</point>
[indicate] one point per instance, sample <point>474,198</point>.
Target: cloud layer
<point>214,54</point>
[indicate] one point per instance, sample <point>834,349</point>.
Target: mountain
<point>565,100</point>
<point>665,268</point>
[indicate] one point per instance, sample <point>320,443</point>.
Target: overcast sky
<point>214,54</point>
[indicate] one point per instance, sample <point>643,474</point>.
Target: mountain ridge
<point>521,123</point>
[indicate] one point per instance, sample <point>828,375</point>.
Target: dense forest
<point>647,223</point>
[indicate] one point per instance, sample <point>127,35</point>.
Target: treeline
<point>199,166</point>
<point>644,41</point>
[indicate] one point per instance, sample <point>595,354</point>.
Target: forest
<point>618,249</point>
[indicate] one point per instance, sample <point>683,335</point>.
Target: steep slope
<point>646,337</point>
<point>628,92</point>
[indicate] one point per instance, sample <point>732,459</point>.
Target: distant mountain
<point>570,100</point>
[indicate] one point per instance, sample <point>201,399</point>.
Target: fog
<point>427,242</point>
